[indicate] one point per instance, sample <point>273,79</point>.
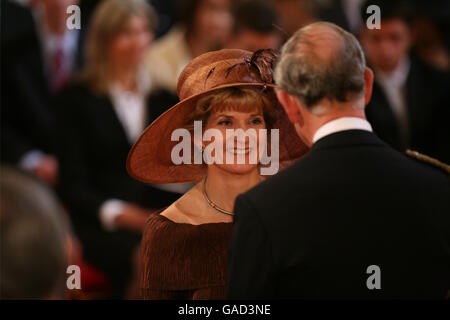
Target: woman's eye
<point>225,122</point>
<point>257,121</point>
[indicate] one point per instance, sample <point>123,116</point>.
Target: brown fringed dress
<point>184,261</point>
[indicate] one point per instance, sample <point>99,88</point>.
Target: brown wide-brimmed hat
<point>150,157</point>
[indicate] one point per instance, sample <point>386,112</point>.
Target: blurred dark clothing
<point>438,12</point>
<point>160,101</point>
<point>345,14</point>
<point>312,230</point>
<point>168,14</point>
<point>87,8</point>
<point>27,115</point>
<point>92,148</point>
<point>428,111</point>
<point>334,12</point>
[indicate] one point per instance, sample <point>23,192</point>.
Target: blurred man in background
<point>256,26</point>
<point>295,14</point>
<point>39,57</point>
<point>410,104</point>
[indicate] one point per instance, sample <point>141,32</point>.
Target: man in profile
<point>354,218</point>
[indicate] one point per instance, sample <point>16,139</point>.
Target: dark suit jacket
<point>312,230</point>
<point>428,108</point>
<point>27,115</point>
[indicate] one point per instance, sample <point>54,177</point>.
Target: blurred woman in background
<point>99,117</point>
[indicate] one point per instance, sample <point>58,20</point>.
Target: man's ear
<point>368,80</point>
<point>290,105</point>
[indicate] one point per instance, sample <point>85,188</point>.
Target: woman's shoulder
<point>185,209</point>
<point>181,225</point>
<point>192,209</point>
<point>156,222</point>
<point>176,255</point>
<point>157,228</point>
<point>163,229</point>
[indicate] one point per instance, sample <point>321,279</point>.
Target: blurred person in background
<point>410,104</point>
<point>430,27</point>
<point>38,57</point>
<point>205,25</point>
<point>295,14</point>
<point>255,27</point>
<point>99,117</point>
<point>344,13</point>
<point>34,254</point>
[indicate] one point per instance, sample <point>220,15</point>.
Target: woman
<point>184,248</point>
<point>100,117</point>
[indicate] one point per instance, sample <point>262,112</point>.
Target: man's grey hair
<point>316,63</point>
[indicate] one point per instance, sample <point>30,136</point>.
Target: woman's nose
<point>241,125</point>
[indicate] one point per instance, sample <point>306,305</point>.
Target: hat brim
<point>149,159</point>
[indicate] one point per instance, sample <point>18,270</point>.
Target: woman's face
<point>235,148</point>
<point>129,46</point>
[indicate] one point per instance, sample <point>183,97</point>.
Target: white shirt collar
<point>397,78</point>
<point>130,110</point>
<point>66,42</point>
<point>341,124</point>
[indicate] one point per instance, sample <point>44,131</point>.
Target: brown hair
<point>188,10</point>
<point>243,99</point>
<point>303,73</point>
<point>108,21</point>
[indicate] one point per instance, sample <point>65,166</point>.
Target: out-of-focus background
<point>73,101</point>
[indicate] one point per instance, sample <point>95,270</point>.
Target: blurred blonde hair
<point>109,19</point>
